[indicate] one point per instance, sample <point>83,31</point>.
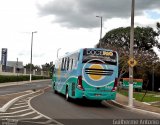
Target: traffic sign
<point>132,62</point>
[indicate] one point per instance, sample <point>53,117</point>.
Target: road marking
<point>28,113</point>
<point>20,103</point>
<point>18,93</point>
<point>16,112</point>
<point>19,115</point>
<point>29,103</point>
<point>19,107</point>
<point>38,117</point>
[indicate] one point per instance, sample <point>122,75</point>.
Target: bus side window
<point>62,64</point>
<point>76,58</point>
<point>71,64</point>
<point>68,63</point>
<point>65,62</point>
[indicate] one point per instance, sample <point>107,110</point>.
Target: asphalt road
<point>23,87</point>
<point>81,111</point>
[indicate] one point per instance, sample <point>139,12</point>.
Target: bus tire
<point>54,90</point>
<point>67,95</point>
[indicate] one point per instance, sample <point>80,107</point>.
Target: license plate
<point>97,94</point>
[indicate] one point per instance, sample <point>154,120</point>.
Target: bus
<point>89,73</point>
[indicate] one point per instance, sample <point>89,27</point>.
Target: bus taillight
<point>80,83</point>
<point>115,85</point>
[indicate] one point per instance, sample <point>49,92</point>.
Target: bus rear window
<point>93,56</point>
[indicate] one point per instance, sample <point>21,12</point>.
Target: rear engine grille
<point>98,71</point>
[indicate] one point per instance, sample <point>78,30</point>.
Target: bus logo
<point>93,74</point>
<point>99,53</point>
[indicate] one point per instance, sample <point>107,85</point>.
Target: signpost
<point>132,62</point>
<point>137,83</point>
<point>4,58</point>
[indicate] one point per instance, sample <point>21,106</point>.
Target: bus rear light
<point>115,85</point>
<point>80,83</point>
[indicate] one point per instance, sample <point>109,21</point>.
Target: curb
<point>115,103</point>
<point>20,82</point>
<point>8,104</point>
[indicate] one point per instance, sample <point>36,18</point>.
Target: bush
<point>4,79</point>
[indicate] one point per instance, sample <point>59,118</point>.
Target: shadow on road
<point>84,102</point>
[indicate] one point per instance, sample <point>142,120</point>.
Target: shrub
<point>4,79</point>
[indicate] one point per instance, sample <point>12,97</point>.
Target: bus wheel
<point>54,90</point>
<point>67,95</point>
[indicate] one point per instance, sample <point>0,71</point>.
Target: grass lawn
<point>149,97</point>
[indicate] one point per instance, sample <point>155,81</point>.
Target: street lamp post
<point>58,51</point>
<point>31,55</point>
<point>130,103</point>
<point>100,29</point>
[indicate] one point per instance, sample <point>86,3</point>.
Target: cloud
<point>82,13</point>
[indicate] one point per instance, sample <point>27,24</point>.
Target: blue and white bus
<point>89,73</point>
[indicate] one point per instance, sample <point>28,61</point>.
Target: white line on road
<point>20,103</point>
<point>29,103</point>
<point>18,115</point>
<point>19,107</point>
<point>28,91</point>
<point>15,112</point>
<point>38,117</point>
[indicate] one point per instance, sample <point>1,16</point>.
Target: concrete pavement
<point>122,101</point>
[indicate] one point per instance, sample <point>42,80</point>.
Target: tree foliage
<point>145,39</point>
<point>46,67</point>
<point>27,66</point>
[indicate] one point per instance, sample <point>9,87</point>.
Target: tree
<point>48,67</point>
<point>28,66</point>
<point>38,68</point>
<point>144,40</point>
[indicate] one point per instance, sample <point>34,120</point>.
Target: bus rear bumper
<point>96,95</point>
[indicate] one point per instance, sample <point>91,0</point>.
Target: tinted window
<point>107,57</point>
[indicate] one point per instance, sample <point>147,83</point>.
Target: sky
<point>65,25</point>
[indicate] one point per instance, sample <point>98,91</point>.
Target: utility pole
<point>130,103</point>
<point>100,29</point>
<point>31,55</point>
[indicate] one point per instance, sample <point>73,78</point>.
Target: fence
<point>21,71</point>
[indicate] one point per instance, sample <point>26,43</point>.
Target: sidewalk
<point>20,83</point>
<point>122,101</point>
